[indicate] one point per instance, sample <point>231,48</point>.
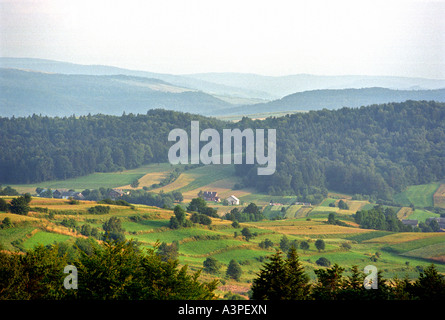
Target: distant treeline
<point>373,151</point>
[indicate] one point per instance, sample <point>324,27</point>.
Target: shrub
<point>324,262</point>
<point>99,210</point>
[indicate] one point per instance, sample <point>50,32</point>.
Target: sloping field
<point>17,217</point>
<point>204,248</point>
<point>300,227</point>
<point>44,238</point>
<point>439,196</point>
<point>405,237</point>
<point>404,213</point>
<point>435,251</point>
<point>303,212</point>
<point>182,181</point>
<point>291,212</point>
<point>172,235</point>
<point>426,246</point>
<point>196,179</point>
<point>419,195</point>
<point>355,205</point>
<point>422,215</point>
<point>224,187</point>
<point>97,180</point>
<point>148,180</point>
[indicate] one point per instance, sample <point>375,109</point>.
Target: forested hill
<point>36,148</point>
<point>373,150</point>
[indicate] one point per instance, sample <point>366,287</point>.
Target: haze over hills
<point>56,88</point>
<point>235,84</point>
<point>284,85</point>
<point>52,66</point>
<point>334,99</point>
<point>24,93</point>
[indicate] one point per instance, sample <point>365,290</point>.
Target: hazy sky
<point>390,37</point>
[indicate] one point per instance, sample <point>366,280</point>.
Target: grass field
<point>44,238</point>
<point>97,180</point>
<point>439,196</point>
<point>422,215</point>
<point>419,196</point>
<point>199,242</point>
<point>404,213</point>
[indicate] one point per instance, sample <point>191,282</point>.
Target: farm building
<point>58,193</point>
<point>410,222</point>
<point>211,196</point>
<point>303,204</point>
<point>72,194</point>
<point>115,193</point>
<point>232,200</point>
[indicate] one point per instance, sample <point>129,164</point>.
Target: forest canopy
<point>375,150</point>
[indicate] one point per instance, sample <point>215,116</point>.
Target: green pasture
<point>97,180</point>
<point>419,195</point>
<point>145,225</point>
<point>7,236</point>
<point>169,236</point>
<point>206,247</point>
<point>422,215</point>
<point>44,238</point>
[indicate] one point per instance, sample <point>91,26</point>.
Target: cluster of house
<point>414,223</point>
<point>63,194</point>
<point>213,196</point>
<point>303,204</point>
<point>67,194</point>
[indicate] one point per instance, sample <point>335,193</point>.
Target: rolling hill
<point>51,66</point>
<point>206,93</point>
<point>280,86</point>
<point>338,98</point>
<point>24,93</point>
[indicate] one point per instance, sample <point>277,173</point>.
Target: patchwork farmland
<point>396,254</point>
<point>399,254</point>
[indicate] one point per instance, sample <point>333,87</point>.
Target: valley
<point>396,254</point>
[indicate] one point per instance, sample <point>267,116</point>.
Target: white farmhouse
<point>232,200</point>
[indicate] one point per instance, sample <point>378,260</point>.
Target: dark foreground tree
<point>430,285</point>
<point>112,271</point>
<point>282,279</point>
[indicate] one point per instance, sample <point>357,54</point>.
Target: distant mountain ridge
<point>334,99</point>
<point>57,88</point>
<point>24,93</point>
<point>52,66</point>
<point>280,86</point>
<point>243,85</point>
